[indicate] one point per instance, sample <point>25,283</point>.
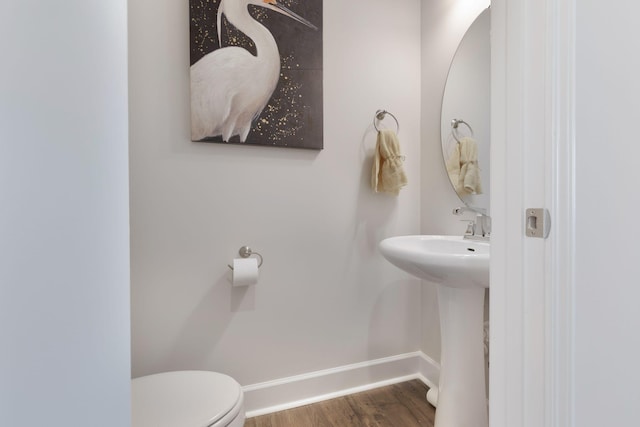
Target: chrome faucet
<point>478,229</point>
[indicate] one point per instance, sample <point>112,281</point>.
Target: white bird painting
<point>231,86</point>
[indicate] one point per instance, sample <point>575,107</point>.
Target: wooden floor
<point>399,405</point>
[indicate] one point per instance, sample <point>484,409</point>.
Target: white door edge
<point>532,280</point>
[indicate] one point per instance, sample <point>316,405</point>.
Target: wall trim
<point>291,392</point>
<point>560,282</point>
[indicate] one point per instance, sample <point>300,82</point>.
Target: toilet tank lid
<point>182,398</point>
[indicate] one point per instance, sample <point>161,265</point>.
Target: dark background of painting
<point>295,118</point>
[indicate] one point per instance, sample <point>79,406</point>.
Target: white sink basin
<point>461,269</point>
<point>447,260</point>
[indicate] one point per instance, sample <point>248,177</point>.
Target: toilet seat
<point>186,399</point>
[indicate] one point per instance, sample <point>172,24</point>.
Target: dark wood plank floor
<point>398,405</point>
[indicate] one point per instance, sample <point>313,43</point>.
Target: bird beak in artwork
<point>278,7</point>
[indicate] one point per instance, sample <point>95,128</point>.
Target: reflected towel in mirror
<point>462,167</point>
<point>388,175</point>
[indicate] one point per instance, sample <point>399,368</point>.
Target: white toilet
<point>186,399</point>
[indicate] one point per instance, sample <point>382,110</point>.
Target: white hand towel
<point>462,167</point>
<point>388,173</point>
<point>453,168</point>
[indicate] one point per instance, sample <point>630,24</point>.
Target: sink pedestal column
<point>462,398</point>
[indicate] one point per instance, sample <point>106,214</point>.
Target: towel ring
<point>454,128</point>
<point>380,115</point>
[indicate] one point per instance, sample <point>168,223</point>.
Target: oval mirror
<point>466,108</point>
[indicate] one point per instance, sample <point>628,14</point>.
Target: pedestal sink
<point>460,267</point>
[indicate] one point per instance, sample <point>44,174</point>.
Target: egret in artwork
<point>229,86</point>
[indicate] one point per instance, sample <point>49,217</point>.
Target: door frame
<point>532,166</point>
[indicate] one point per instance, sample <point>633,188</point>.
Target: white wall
<point>326,297</point>
<point>444,23</point>
<point>607,347</point>
<point>64,249</point>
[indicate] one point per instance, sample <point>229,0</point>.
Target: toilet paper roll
<point>245,272</point>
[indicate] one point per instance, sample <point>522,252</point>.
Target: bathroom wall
<point>607,348</point>
<point>444,23</point>
<point>64,232</point>
<point>326,297</point>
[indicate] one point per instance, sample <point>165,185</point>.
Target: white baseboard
<point>300,390</point>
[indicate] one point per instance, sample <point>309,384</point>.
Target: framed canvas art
<point>256,72</point>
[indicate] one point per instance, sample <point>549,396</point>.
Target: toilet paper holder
<point>246,252</point>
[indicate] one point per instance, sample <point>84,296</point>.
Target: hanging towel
<point>462,167</point>
<point>453,168</point>
<point>388,174</point>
